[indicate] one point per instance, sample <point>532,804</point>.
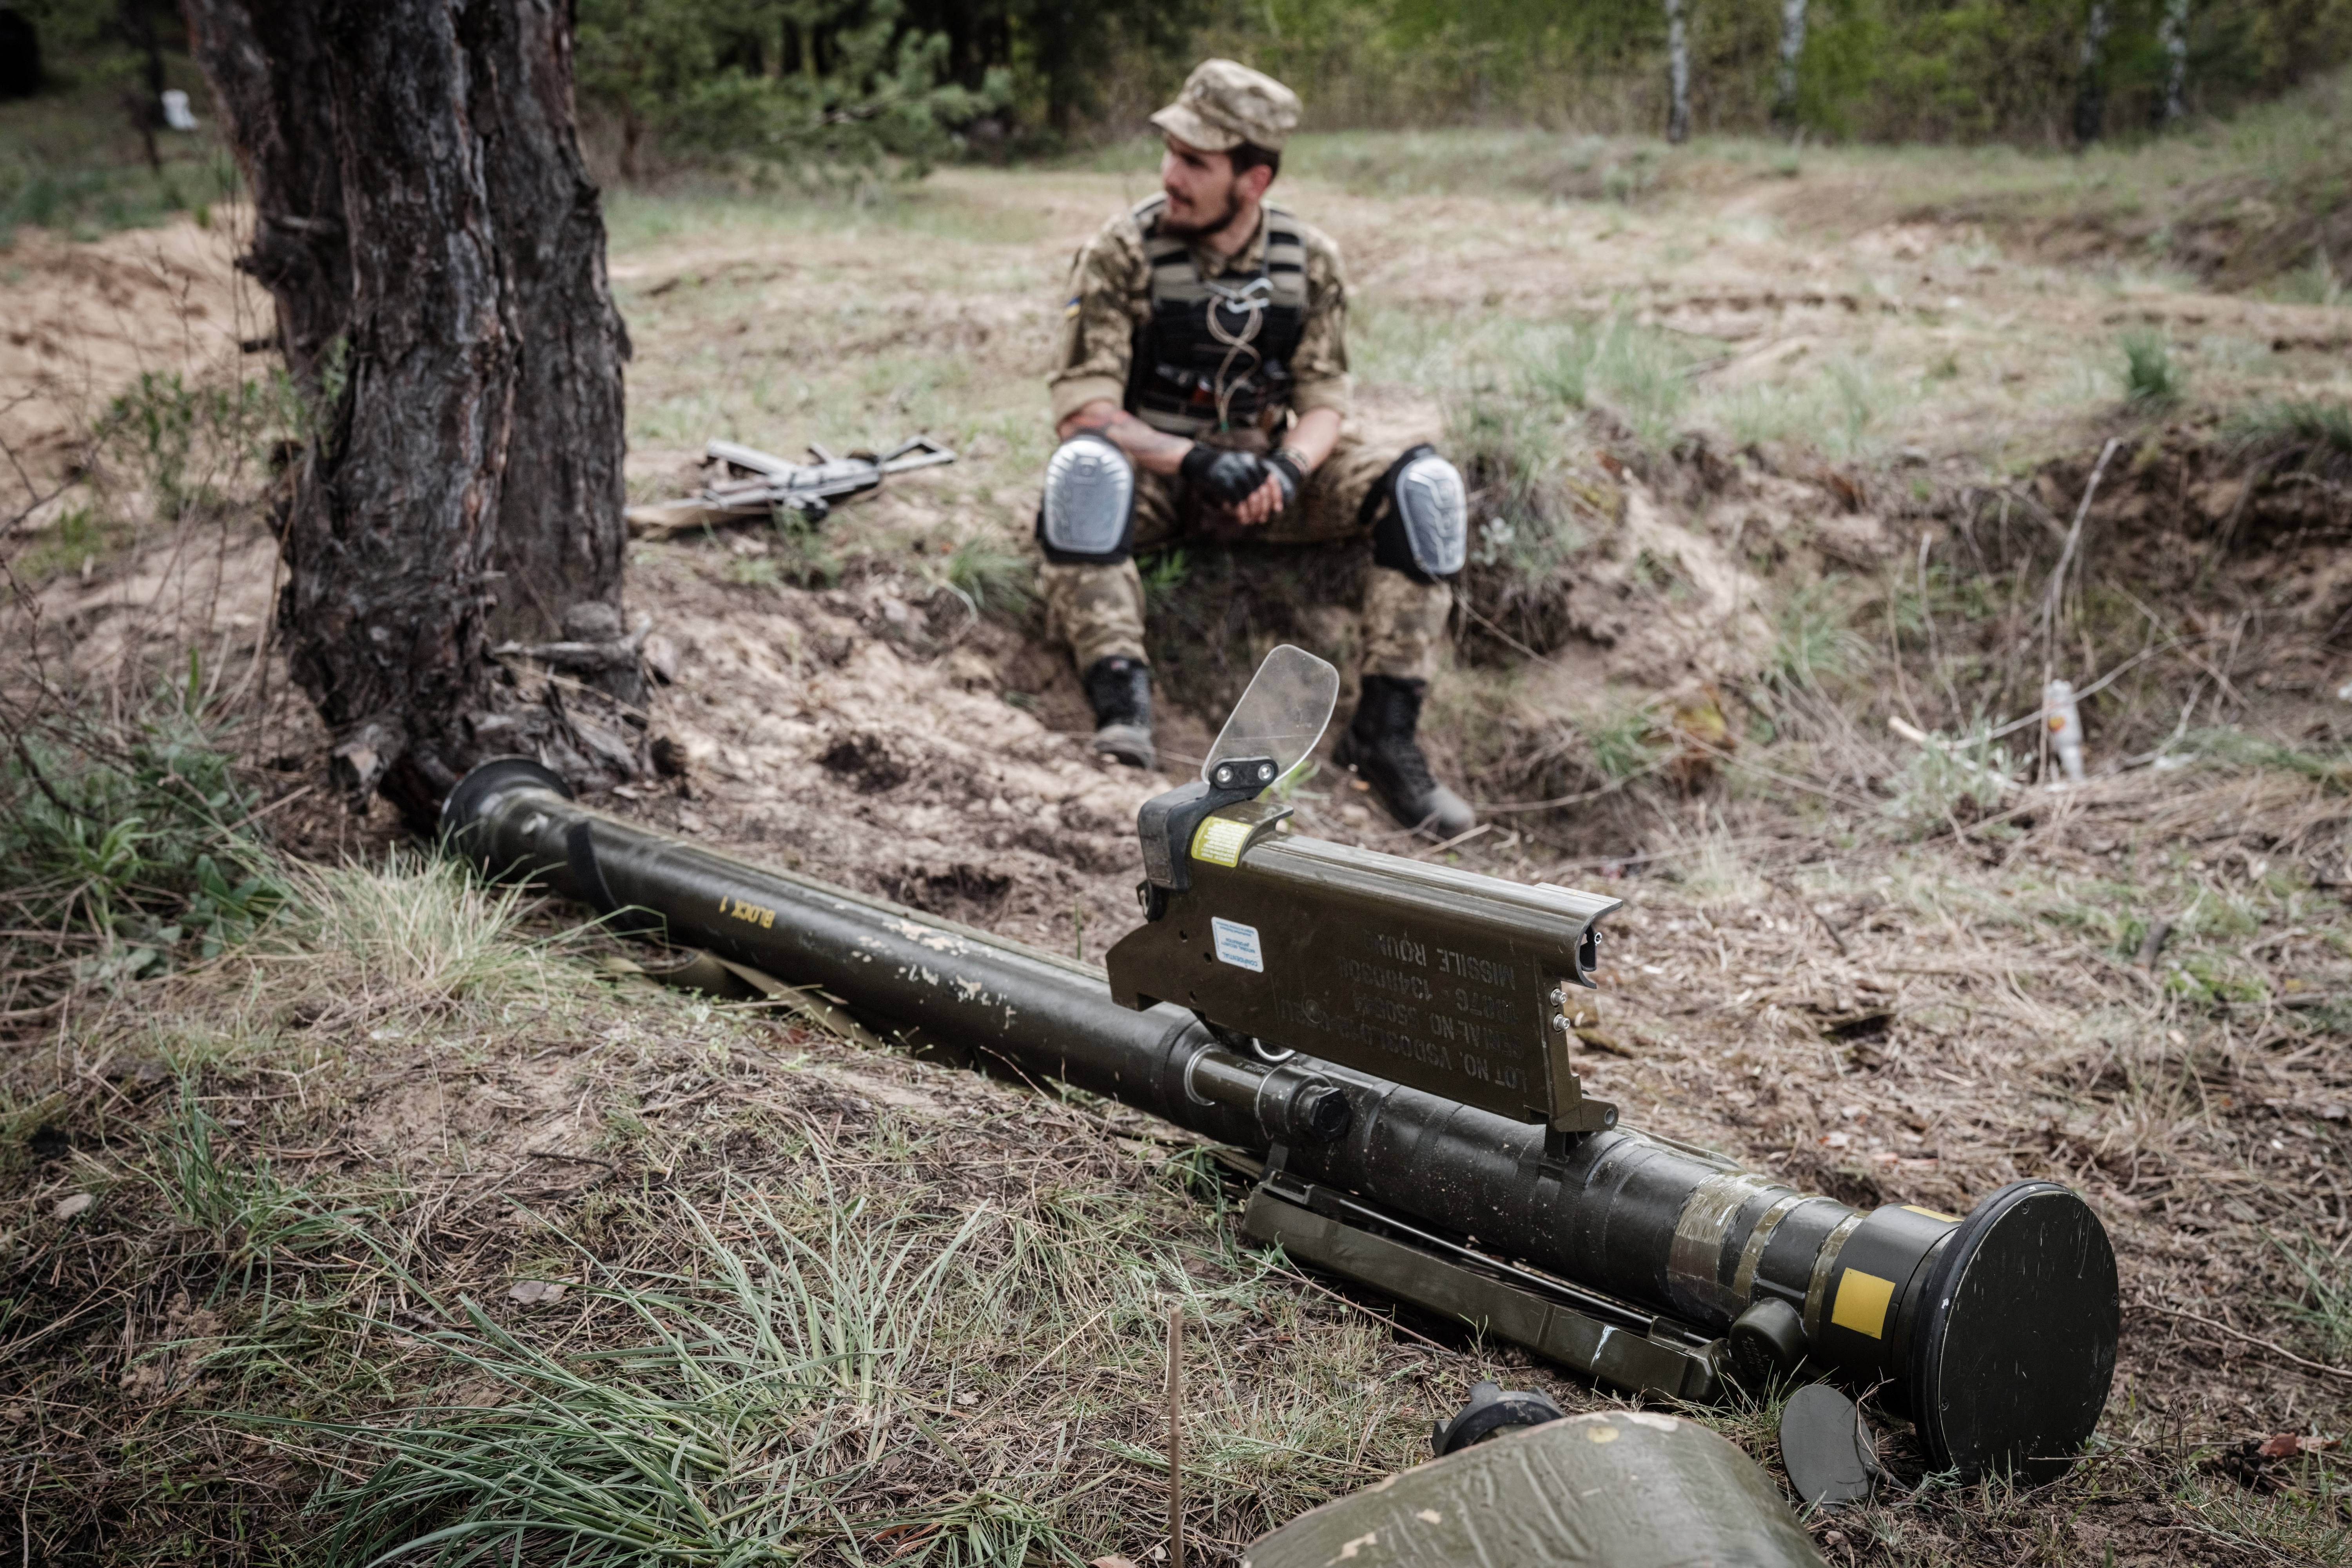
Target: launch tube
<point>1995,1332</point>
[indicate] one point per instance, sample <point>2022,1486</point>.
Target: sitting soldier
<point>1202,391</point>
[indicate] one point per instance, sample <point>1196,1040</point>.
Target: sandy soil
<point>83,321</point>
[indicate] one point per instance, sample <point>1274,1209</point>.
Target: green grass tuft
<point>992,579</point>
<point>1813,646</point>
<point>139,837</point>
<point>1949,777</point>
<point>1638,374</point>
<point>2151,377</point>
<point>2322,1300</point>
<point>1618,742</point>
<point>733,1431</point>
<point>2309,421</point>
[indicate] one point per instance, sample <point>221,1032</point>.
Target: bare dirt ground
<point>1864,433</point>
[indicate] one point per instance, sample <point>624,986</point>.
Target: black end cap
<point>484,780</point>
<point>2015,1348</point>
<point>1492,1409</point>
<point>1825,1449</point>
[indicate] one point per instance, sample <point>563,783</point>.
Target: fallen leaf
<point>530,1292</point>
<point>68,1207</point>
<point>2288,1445</point>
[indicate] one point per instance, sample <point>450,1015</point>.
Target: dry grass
<point>874,1306</point>
<point>879,1305</point>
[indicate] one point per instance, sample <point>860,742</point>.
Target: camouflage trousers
<point>1098,610</point>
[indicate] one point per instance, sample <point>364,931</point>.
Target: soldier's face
<point>1203,193</point>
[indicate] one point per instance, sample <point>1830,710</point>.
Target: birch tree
<point>2091,86</point>
<point>1677,71</point>
<point>2172,37</point>
<point>1792,49</point>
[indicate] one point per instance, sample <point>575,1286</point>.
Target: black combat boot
<point>1119,691</point>
<point>1379,748</point>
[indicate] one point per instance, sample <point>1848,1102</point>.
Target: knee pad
<point>1086,515</point>
<point>1421,524</point>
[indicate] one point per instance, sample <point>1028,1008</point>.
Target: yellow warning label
<point>754,913</point>
<point>1861,1302</point>
<point>1947,1218</point>
<point>1219,841</point>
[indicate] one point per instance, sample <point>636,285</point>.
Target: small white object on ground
<point>530,1292</point>
<point>2064,720</point>
<point>175,111</point>
<point>68,1208</point>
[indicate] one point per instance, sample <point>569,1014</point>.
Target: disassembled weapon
<point>1382,1046</point>
<point>757,485</point>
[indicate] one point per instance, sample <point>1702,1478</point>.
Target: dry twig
<point>2278,1350</point>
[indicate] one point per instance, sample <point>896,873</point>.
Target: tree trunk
<point>425,222</point>
<point>1793,50</point>
<point>2172,36</point>
<point>1677,71</point>
<point>2091,88</point>
<point>144,102</point>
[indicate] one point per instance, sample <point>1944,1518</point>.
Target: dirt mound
<point>86,320</point>
<point>870,740</point>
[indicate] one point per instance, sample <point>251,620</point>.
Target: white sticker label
<point>1237,945</point>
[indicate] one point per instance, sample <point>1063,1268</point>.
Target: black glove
<point>1225,476</point>
<point>1289,472</point>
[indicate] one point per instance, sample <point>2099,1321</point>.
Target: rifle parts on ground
<point>755,485</point>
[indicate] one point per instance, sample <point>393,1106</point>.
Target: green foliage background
<point>1873,70</point>
<point>827,88</point>
<point>921,78</point>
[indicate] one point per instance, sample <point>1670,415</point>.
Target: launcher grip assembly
<point>1439,979</point>
<point>1381,1048</point>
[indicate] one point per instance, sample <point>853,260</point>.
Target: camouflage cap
<point>1224,103</point>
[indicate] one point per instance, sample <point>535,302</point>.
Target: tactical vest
<point>1215,354</point>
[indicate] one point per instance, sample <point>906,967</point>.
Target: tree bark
<point>1677,71</point>
<point>2090,87</point>
<point>1793,50</point>
<point>428,228</point>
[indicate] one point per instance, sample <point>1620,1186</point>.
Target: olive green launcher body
<point>1509,1202</point>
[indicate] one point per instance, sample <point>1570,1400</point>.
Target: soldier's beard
<point>1203,229</point>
